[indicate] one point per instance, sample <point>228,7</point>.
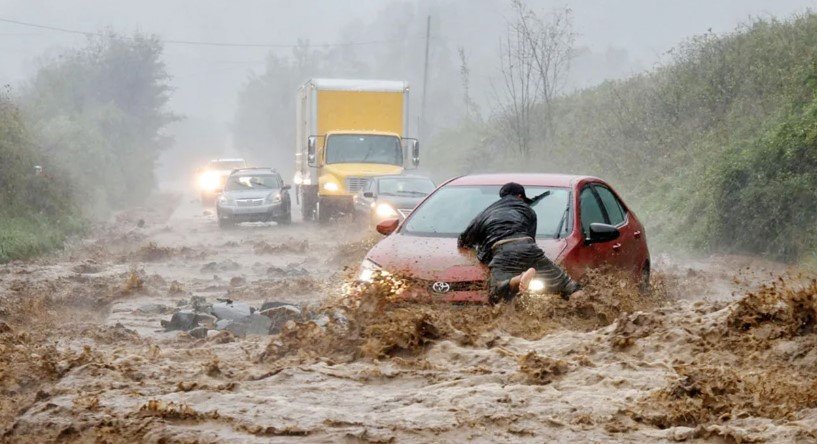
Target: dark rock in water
<point>258,324</point>
<point>154,309</point>
<point>231,310</point>
<point>227,265</point>
<point>206,320</point>
<point>198,332</point>
<point>237,328</point>
<point>200,304</point>
<point>182,320</point>
<point>280,315</point>
<point>273,304</point>
<point>238,281</point>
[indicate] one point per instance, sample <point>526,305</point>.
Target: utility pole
<point>422,129</point>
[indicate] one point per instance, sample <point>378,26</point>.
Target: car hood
<point>250,194</point>
<point>401,202</point>
<point>437,258</point>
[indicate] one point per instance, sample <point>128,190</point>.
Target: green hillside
<point>714,149</point>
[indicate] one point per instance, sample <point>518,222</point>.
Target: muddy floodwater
<point>724,349</point>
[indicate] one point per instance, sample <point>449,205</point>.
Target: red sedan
<point>581,224</point>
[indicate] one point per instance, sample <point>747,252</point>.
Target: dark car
<point>392,196</point>
<point>254,195</point>
<point>582,224</point>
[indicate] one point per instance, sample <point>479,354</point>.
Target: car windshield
<point>254,182</point>
<point>227,164</point>
<point>449,211</point>
<point>361,148</point>
<point>405,186</point>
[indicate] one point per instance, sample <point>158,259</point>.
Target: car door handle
<point>616,247</point>
<point>637,235</point>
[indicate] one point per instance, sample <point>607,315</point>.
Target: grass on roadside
<point>26,236</point>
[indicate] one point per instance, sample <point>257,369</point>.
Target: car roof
<point>254,170</point>
<point>236,159</point>
<point>530,179</point>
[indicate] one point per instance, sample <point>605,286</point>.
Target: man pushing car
<point>504,235</point>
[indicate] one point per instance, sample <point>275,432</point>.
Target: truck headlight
<point>385,211</point>
<point>367,271</point>
<point>331,186</point>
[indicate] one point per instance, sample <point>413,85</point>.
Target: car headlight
<point>209,181</point>
<point>536,285</point>
<point>385,211</point>
<point>273,198</point>
<point>331,186</point>
<point>367,271</point>
<point>225,201</point>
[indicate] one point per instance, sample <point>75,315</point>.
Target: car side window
<point>590,209</point>
<point>615,211</point>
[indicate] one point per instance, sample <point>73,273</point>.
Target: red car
<point>581,224</point>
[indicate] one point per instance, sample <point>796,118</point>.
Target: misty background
<point>366,38</point>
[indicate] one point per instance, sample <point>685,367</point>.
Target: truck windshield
<point>362,148</point>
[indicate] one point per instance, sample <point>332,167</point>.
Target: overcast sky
<point>207,78</point>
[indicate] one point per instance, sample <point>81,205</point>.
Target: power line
<point>199,43</point>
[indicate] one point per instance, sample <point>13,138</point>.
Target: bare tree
<point>519,92</point>
<point>535,59</point>
<point>551,41</point>
<point>471,110</point>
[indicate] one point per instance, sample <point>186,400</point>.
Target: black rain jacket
<point>507,218</point>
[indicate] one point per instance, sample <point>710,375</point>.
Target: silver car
<point>254,195</point>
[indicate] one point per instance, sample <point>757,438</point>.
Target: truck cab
<point>349,131</point>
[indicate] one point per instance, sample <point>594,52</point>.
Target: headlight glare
<point>367,271</point>
<point>331,186</point>
<point>536,285</point>
<point>385,211</point>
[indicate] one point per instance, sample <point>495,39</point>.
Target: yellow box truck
<point>348,131</point>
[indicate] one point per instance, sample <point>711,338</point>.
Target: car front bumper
<point>255,213</point>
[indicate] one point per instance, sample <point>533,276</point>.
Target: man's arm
<point>470,237</point>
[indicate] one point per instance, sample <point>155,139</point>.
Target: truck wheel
<point>307,208</point>
<point>322,212</point>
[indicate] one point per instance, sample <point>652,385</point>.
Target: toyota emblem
<point>441,287</point>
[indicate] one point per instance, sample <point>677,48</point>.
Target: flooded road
<point>84,356</point>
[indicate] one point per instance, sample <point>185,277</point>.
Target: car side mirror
<point>411,150</point>
<point>368,194</point>
<point>601,233</point>
<point>388,226</point>
<point>286,187</point>
<point>311,151</point>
